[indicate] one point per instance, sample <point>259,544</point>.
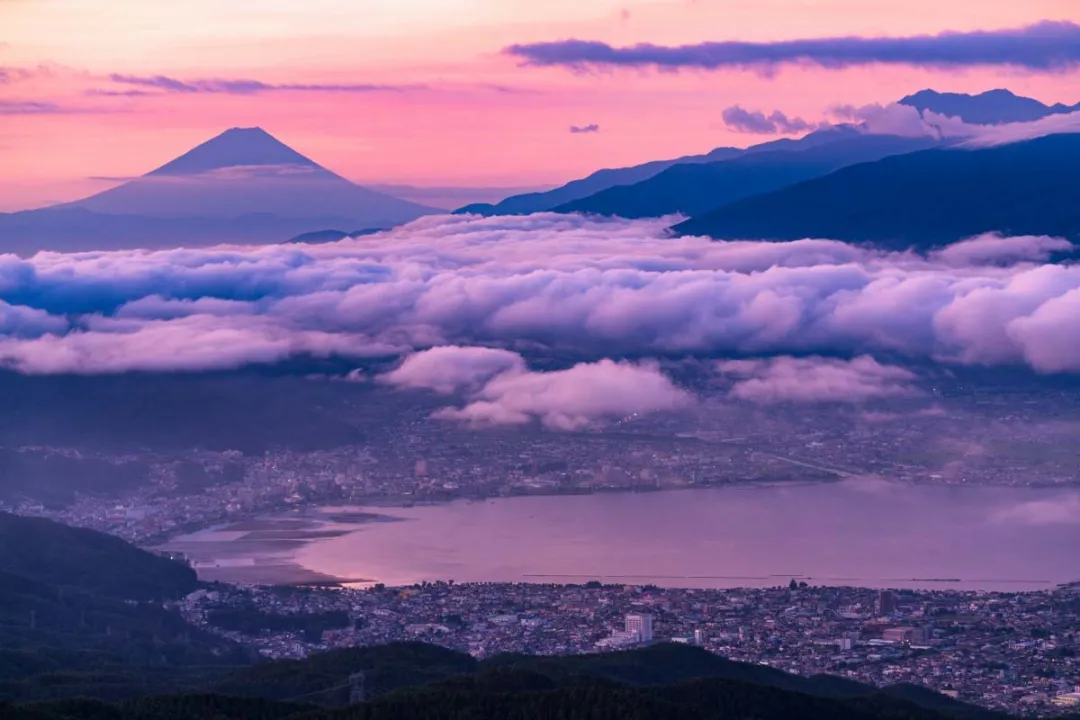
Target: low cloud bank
<point>816,379</point>
<point>502,391</point>
<point>450,369</point>
<point>597,288</point>
<point>907,121</point>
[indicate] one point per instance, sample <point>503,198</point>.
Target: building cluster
<point>1012,651</point>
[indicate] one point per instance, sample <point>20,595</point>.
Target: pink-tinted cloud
<point>194,342</point>
<point>451,369</point>
<point>501,390</point>
<point>571,399</point>
<point>816,379</point>
<point>996,249</point>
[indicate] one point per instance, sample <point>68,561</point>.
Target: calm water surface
<point>859,532</point>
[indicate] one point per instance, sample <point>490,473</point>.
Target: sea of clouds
<point>461,298</point>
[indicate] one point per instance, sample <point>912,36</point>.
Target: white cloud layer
<point>449,369</point>
<point>502,391</point>
<point>816,379</point>
<point>601,288</point>
<point>907,121</point>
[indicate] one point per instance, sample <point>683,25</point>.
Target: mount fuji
<point>241,186</point>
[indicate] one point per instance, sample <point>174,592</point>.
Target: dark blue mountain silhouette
<point>693,189</point>
<point>922,199</point>
<point>993,107</point>
<point>243,185</point>
<point>608,178</point>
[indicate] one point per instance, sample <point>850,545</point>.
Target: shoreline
<point>280,512</point>
<point>267,549</point>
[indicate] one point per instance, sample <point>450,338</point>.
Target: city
<point>1016,652</point>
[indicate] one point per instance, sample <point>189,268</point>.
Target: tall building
<point>699,637</point>
<point>885,603</point>
<point>640,625</point>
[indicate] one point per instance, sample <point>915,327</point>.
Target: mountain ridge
<point>692,189</point>
<point>923,199</point>
<point>992,107</point>
<point>606,178</point>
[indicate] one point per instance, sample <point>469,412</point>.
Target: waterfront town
<point>1009,651</point>
<point>1013,651</point>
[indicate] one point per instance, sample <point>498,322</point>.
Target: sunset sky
<point>424,92</point>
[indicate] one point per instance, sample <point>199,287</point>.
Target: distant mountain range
<point>921,199</point>
<point>596,182</point>
<point>993,107</point>
<point>845,183</point>
<point>696,188</point>
<point>602,180</point>
<point>242,186</point>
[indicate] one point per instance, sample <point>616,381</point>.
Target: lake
<point>861,532</point>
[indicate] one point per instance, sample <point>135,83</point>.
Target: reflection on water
<point>857,532</point>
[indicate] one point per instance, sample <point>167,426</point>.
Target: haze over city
<point>469,359</point>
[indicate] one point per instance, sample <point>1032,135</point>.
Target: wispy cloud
<point>578,129</point>
<point>14,74</point>
<point>39,107</point>
<point>756,122</point>
<point>239,86</point>
<point>1045,46</point>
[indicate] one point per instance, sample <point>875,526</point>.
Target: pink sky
<point>481,119</point>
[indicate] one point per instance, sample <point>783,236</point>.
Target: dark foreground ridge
<point>89,634</point>
<point>413,680</point>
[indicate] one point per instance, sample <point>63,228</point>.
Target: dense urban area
<point>1016,652</point>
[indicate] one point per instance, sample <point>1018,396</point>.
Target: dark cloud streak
<point>1043,47</point>
<point>758,123</point>
<point>39,107</point>
<point>241,86</point>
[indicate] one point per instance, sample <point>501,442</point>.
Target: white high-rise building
<point>641,626</point>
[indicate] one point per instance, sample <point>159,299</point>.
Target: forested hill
<point>82,613</point>
<point>48,552</point>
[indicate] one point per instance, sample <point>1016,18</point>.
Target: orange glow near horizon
<point>480,119</point>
